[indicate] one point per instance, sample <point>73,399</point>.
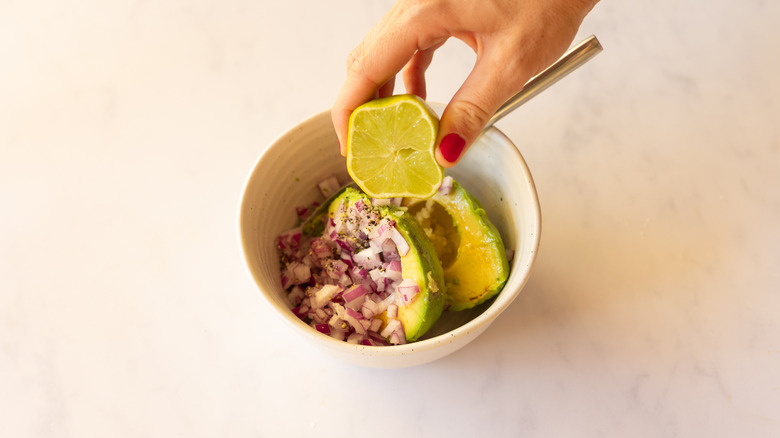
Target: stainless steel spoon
<point>570,61</point>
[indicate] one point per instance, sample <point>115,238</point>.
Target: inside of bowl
<point>286,176</point>
<point>495,173</point>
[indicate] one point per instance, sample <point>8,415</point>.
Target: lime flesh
<point>390,148</point>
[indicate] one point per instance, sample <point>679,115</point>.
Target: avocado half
<point>469,246</point>
<point>419,264</point>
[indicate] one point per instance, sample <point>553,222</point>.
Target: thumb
<point>482,93</point>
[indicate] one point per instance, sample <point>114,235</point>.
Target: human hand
<point>513,40</point>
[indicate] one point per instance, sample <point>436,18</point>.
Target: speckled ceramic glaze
<point>286,175</point>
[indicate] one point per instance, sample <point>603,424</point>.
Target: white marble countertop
<point>127,129</point>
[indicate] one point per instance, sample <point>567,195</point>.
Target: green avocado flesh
<point>419,264</point>
<point>467,243</point>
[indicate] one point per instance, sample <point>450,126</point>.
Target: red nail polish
<point>451,147</point>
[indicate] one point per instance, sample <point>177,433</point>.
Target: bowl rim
<point>478,323</point>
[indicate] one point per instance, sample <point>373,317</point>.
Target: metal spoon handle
<point>569,62</point>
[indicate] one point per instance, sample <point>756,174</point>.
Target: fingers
<point>414,72</point>
<point>492,82</point>
<point>513,41</point>
<point>386,89</point>
<point>371,69</point>
<point>359,87</point>
<point>388,47</point>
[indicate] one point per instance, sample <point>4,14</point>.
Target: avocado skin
<point>481,268</point>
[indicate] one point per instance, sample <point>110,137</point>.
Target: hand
<point>513,39</point>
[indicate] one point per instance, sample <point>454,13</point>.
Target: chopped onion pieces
<point>348,283</point>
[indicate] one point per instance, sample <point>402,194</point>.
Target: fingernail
<point>451,147</point>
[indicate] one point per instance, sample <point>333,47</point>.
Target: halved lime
<point>390,148</point>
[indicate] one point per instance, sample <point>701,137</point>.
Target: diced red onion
<point>376,274</point>
<point>345,280</point>
<point>355,338</point>
<point>393,271</point>
<point>379,278</point>
<point>408,289</point>
<point>358,274</point>
<point>322,296</point>
<point>392,311</point>
<point>290,239</point>
<point>339,334</point>
<point>347,258</point>
<point>390,251</point>
<point>296,295</point>
<point>397,337</point>
<point>286,281</point>
<point>319,248</point>
<point>382,231</point>
<point>385,303</point>
<point>510,255</point>
<point>369,308</point>
<point>302,212</point>
<point>378,340</point>
<point>351,313</point>
<point>400,242</point>
<point>394,332</point>
<point>354,293</point>
<point>354,297</point>
<point>391,326</point>
<point>338,309</point>
<point>322,328</point>
<point>329,186</point>
<point>298,273</point>
<point>320,316</point>
<point>300,312</point>
<point>344,245</point>
<point>368,259</point>
<point>356,267</point>
<point>375,246</point>
<point>330,228</point>
<point>446,185</point>
<point>334,268</point>
<point>353,318</point>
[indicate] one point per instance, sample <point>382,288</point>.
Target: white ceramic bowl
<point>286,175</point>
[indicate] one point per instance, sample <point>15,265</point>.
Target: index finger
<point>377,59</point>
